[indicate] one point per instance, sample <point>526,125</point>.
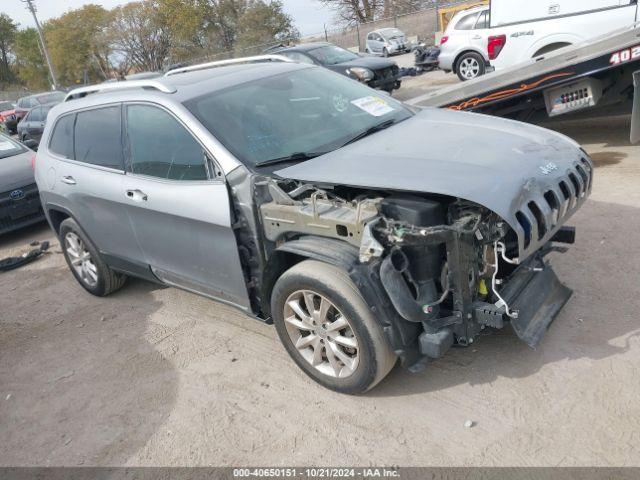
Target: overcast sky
<point>309,15</point>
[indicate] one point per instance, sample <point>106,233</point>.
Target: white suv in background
<point>463,47</point>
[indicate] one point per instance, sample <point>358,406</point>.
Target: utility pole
<point>32,9</point>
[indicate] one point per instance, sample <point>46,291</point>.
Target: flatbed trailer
<point>591,79</point>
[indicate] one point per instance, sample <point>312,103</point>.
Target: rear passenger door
<point>179,207</point>
<point>89,180</point>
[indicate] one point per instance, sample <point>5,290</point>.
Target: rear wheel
<point>470,65</point>
<point>328,329</point>
<point>85,261</point>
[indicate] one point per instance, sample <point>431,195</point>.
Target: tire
<point>106,281</point>
<point>368,357</point>
<point>470,65</point>
<point>385,52</point>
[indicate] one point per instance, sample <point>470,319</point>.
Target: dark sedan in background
<point>19,198</point>
<point>380,73</point>
<point>27,103</point>
<point>32,126</point>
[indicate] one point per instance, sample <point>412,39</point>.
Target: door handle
<point>68,179</point>
<point>137,195</point>
<point>477,37</point>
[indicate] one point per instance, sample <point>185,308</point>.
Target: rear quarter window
<point>62,137</point>
<point>467,22</point>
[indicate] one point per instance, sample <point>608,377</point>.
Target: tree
<point>30,64</point>
<point>141,33</point>
<point>8,30</point>
<point>362,11</point>
<point>355,11</point>
<point>264,23</point>
<point>79,44</point>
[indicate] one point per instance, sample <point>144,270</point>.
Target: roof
<point>182,87</point>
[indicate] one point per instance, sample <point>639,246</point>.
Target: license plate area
<point>22,209</point>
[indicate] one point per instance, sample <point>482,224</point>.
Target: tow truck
<point>596,78</point>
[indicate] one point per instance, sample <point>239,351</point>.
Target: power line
<point>32,9</point>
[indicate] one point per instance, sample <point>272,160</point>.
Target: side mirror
<point>31,143</point>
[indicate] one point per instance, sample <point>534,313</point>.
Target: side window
<point>35,115</point>
<point>467,22</point>
<point>98,137</point>
<point>483,21</point>
<point>159,146</point>
<point>298,57</point>
<point>62,137</point>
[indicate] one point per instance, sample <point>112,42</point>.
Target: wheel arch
<point>547,40</point>
<point>454,65</point>
<point>56,215</point>
<point>402,335</point>
<point>550,48</point>
<point>326,250</point>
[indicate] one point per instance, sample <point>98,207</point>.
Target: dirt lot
<point>157,376</point>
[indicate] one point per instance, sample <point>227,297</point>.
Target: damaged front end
<point>436,270</point>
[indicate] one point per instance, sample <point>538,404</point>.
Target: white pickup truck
<point>524,29</point>
<point>508,32</point>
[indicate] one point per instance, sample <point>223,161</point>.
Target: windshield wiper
<point>294,157</point>
<point>371,130</point>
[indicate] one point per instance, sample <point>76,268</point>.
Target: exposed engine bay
<point>449,267</point>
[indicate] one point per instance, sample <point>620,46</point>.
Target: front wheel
<point>328,329</point>
<point>385,52</point>
<point>471,65</point>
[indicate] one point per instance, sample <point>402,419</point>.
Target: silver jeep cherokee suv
<point>307,199</point>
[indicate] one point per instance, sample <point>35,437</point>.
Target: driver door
<point>180,213</point>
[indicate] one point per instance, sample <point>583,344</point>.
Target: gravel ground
<point>158,376</point>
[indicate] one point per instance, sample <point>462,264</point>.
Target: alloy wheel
<point>80,259</point>
<point>469,68</point>
<point>321,333</point>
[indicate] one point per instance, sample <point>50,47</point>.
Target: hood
<point>372,63</point>
<point>16,172</point>
<point>501,164</point>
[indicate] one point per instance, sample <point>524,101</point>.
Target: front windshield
<point>310,111</point>
<point>50,97</point>
<point>9,147</point>
<point>332,55</point>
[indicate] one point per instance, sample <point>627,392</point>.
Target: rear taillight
<point>495,46</point>
<point>33,161</point>
<point>444,40</point>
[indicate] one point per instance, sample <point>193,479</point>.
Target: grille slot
<point>554,205</point>
<point>576,184</point>
<point>539,219</point>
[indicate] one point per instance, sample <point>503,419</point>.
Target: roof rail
<point>105,87</point>
<point>232,61</point>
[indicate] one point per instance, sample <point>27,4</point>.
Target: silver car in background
<point>387,41</point>
<point>463,47</point>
